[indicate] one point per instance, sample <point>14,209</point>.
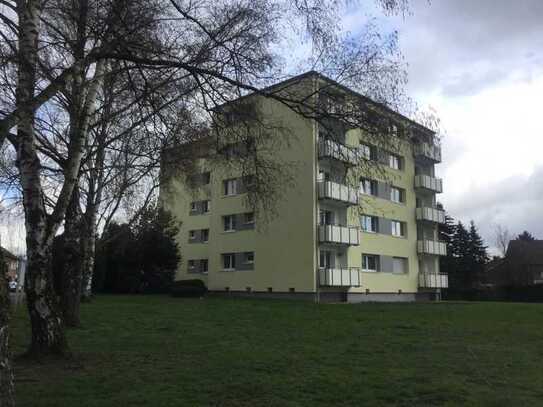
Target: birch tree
<point>225,48</point>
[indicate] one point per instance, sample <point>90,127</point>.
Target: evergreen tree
<point>477,255</point>
<point>525,236</point>
<point>460,249</point>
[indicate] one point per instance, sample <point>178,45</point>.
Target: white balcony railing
<point>339,277</point>
<point>432,247</point>
<point>347,235</point>
<point>429,183</point>
<point>433,280</point>
<point>337,151</point>
<point>338,192</point>
<point>430,214</point>
<point>428,151</point>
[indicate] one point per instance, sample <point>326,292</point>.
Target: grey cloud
<point>515,202</point>
<point>463,46</point>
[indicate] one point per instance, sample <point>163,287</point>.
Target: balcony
<point>428,183</point>
<point>434,247</point>
<point>427,152</point>
<point>433,280</point>
<point>338,192</point>
<point>430,215</point>
<point>339,277</point>
<point>337,151</point>
<point>344,235</point>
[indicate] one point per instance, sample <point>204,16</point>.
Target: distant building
<point>522,265</point>
<point>12,262</point>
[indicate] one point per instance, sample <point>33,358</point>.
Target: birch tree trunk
<point>6,374</point>
<point>47,327</point>
<point>72,272</point>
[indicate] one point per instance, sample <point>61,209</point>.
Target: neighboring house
<point>332,239</point>
<point>12,263</point>
<point>522,265</point>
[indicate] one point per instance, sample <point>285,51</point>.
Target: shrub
<point>189,288</point>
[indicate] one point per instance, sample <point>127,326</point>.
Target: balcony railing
<point>338,192</point>
<point>337,151</point>
<point>339,277</point>
<point>428,183</point>
<point>433,280</point>
<point>346,235</point>
<point>428,152</point>
<point>430,214</point>
<point>432,247</point>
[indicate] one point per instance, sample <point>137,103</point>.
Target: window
<point>192,234</point>
<point>230,187</point>
<point>249,257</point>
<point>324,176</point>
<point>369,223</point>
<point>325,259</point>
<point>203,266</point>
<point>250,217</point>
<point>393,130</point>
<point>229,261</point>
<point>398,228</point>
<point>191,264</point>
<point>370,262</point>
<point>206,178</point>
<point>229,223</point>
<point>206,206</point>
<point>368,186</point>
<point>394,161</point>
<point>397,195</point>
<point>205,235</point>
<point>193,206</point>
<point>399,265</point>
<point>326,217</point>
<point>366,151</point>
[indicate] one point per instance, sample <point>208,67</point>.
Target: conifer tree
<point>477,255</point>
<point>525,236</point>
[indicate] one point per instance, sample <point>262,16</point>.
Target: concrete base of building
<point>329,296</point>
<point>381,297</point>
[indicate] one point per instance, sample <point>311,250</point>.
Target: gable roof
<point>525,252</point>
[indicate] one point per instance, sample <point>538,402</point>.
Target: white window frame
<point>230,187</point>
<point>325,259</point>
<point>252,218</point>
<point>231,262</point>
<point>205,232</point>
<point>371,221</point>
<point>365,184</point>
<point>398,228</point>
<point>404,262</point>
<point>394,161</point>
<point>365,267</point>
<point>229,223</point>
<point>206,262</point>
<point>396,191</point>
<point>365,151</point>
<point>206,206</point>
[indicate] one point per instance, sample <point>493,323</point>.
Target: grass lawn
<point>161,351</point>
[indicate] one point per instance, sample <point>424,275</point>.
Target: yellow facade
<point>288,253</point>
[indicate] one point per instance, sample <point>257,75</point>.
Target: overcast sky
<point>479,64</point>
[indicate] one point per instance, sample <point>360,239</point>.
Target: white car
<point>13,286</point>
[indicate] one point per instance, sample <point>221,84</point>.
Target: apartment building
<point>357,220</point>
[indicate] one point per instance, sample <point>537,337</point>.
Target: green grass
<point>161,351</point>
